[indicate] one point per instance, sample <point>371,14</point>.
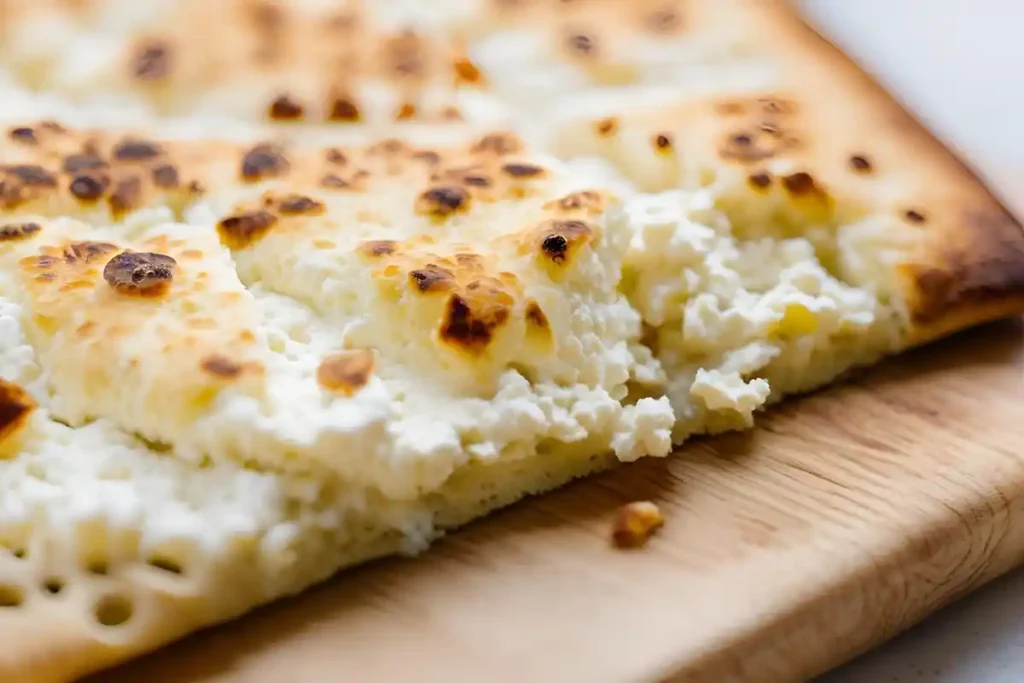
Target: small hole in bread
<point>11,595</point>
<point>113,610</point>
<point>53,585</point>
<point>166,564</point>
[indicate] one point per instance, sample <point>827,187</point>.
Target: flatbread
<point>229,369</point>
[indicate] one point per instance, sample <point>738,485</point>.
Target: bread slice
<point>229,370</point>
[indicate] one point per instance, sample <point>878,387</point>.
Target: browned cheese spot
<point>23,134</point>
<point>914,216</point>
<point>606,127</point>
<point>344,109</point>
<point>520,170</point>
<point>562,238</point>
<point>16,405</point>
<point>132,149</point>
<point>85,161</point>
<point>332,181</point>
<point>470,324</point>
<point>535,316</point>
<point>585,200</point>
<point>441,202</point>
<point>335,156</point>
<point>264,161</point>
<point>860,164</point>
<point>501,144</point>
<point>378,248</point>
<point>432,278</point>
<point>88,187</point>
<point>284,108</point>
<point>245,229</point>
<point>71,254</point>
<point>296,204</point>
<point>760,181</point>
<point>466,72</point>
<point>152,61</point>
<point>32,175</point>
<point>345,372</point>
<point>166,177</point>
<point>221,366</point>
<point>18,231</point>
<point>406,111</point>
<point>582,44</point>
<point>800,183</point>
<point>663,143</point>
<point>140,273</point>
<point>127,195</point>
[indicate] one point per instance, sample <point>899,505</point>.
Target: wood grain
<point>843,519</point>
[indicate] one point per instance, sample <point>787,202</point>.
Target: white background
<point>959,65</point>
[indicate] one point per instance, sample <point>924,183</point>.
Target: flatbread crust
<point>837,151</point>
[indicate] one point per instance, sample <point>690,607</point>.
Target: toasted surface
<point>240,350</point>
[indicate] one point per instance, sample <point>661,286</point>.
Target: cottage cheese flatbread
<point>239,352</point>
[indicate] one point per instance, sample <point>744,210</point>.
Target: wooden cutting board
<point>843,519</point>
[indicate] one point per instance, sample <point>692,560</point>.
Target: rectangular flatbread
<point>230,368</point>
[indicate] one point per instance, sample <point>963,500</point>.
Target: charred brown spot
<point>498,143</point>
<point>476,180</point>
<point>561,237</point>
<point>760,181</point>
<point>432,278</point>
<point>860,163</point>
<point>914,216</point>
<point>16,405</point>
<point>334,182</point>
<point>662,142</point>
<point>166,177</point>
<point>221,366</point>
<point>17,231</point>
<point>86,161</point>
<point>519,170</point>
<point>264,161</point>
<point>466,72</point>
<point>441,202</point>
<point>152,61</point>
<point>335,156</point>
<point>469,329</point>
<point>143,273</point>
<point>378,248</point>
<point>607,126</point>
<point>535,316</point>
<point>88,187</point>
<point>296,204</point>
<point>406,111</point>
<point>127,195</point>
<point>23,134</point>
<point>742,140</point>
<point>136,150</point>
<point>345,371</point>
<point>800,183</point>
<point>243,229</point>
<point>284,108</point>
<point>32,175</point>
<point>581,43</point>
<point>343,109</point>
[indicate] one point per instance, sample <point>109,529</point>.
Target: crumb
<point>634,524</point>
